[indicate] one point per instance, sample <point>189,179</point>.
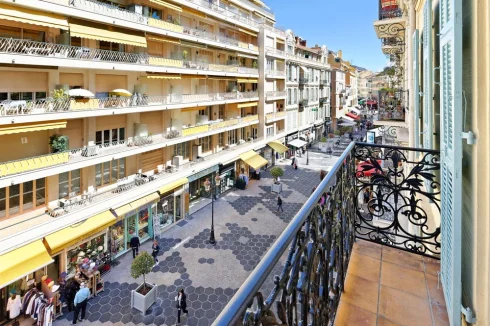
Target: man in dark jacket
<point>135,244</point>
<point>279,204</point>
<point>181,299</point>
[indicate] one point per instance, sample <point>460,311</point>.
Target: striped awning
<point>246,105</point>
<point>101,34</point>
<point>163,39</point>
<point>247,32</point>
<point>29,127</point>
<point>253,159</point>
<point>163,76</point>
<point>167,5</point>
<point>247,80</point>
<point>30,16</point>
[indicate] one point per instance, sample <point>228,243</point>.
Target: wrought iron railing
<point>304,102</point>
<point>275,30</point>
<point>303,287</point>
<point>324,82</point>
<point>50,105</point>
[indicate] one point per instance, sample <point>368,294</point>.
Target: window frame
<point>69,181</point>
<point>100,180</point>
<point>21,206</point>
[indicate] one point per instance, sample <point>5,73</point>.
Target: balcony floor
<point>386,286</point>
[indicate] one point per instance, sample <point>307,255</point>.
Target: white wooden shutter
<point>427,75</point>
<point>416,102</point>
<point>451,154</point>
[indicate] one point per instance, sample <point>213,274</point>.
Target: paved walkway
<point>246,225</point>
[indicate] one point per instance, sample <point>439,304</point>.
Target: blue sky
<point>339,24</point>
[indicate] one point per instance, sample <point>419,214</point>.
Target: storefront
<point>251,161</point>
<point>266,152</point>
<point>227,175</point>
<point>25,268</point>
<point>279,149</point>
<point>196,181</point>
<point>170,207</point>
<point>135,218</point>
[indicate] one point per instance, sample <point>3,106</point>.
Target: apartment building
<point>445,84</point>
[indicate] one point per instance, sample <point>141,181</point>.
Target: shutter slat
<point>451,154</point>
<point>416,102</point>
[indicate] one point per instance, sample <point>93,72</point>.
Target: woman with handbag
<point>181,299</point>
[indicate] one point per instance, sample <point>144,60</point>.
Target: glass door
<point>144,230</point>
<point>178,206</point>
<point>130,229</point>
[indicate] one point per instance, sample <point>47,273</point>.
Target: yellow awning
<point>247,32</point>
<point>253,159</point>
<point>76,233</point>
<point>280,41</point>
<point>163,39</point>
<point>163,76</point>
<point>27,127</point>
<point>29,16</point>
<point>172,185</point>
<point>194,12</point>
<point>221,78</point>
<point>247,80</point>
<point>123,210</point>
<point>278,147</point>
<point>190,76</point>
<point>95,33</point>
<point>166,4</point>
<point>246,105</point>
<point>23,261</point>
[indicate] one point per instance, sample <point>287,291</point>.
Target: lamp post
<point>211,190</point>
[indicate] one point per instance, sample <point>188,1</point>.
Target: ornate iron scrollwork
<point>391,29</point>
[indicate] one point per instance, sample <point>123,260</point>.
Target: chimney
<point>339,54</point>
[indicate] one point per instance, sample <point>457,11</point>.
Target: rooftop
<point>387,286</point>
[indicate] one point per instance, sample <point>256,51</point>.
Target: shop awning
<point>28,127</point>
<point>280,41</point>
<point>253,159</point>
<point>246,105</point>
<point>102,34</point>
<point>352,115</point>
<point>192,76</point>
<point>163,76</point>
<point>71,235</point>
<point>34,17</point>
<point>298,143</point>
<point>278,147</point>
<point>247,80</point>
<point>221,78</point>
<point>346,117</point>
<point>163,39</point>
<point>194,12</point>
<point>167,5</point>
<point>243,55</point>
<point>172,185</point>
<point>123,210</point>
<point>247,32</point>
<point>23,261</point>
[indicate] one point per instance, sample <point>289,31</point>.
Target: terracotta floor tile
<point>367,248</point>
<point>348,315</point>
<point>403,279</point>
<point>432,266</point>
<point>439,313</point>
<point>403,258</point>
<point>404,308</point>
<point>361,293</point>
<point>385,322</point>
<point>364,266</point>
<point>436,294</point>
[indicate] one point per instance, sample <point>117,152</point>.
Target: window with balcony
<point>182,149</point>
<point>110,136</point>
<point>110,46</point>
<point>155,13</point>
<point>205,143</point>
<point>221,139</point>
<point>109,172</point>
<point>232,137</point>
<point>206,112</point>
<point>289,96</point>
<point>22,33</point>
<point>295,96</point>
<point>21,198</point>
<point>26,96</point>
<point>269,131</point>
<point>221,112</point>
<point>69,184</point>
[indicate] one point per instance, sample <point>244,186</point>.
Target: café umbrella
<point>121,92</point>
<point>80,92</point>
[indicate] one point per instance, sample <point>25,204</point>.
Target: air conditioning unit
<point>196,152</point>
<point>178,160</point>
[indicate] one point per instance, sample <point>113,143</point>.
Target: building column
<point>261,84</point>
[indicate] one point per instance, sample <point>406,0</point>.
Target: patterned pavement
<point>246,225</point>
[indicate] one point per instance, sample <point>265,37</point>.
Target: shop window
<point>270,131</point>
<point>109,172</point>
<point>69,184</point>
<point>182,149</point>
<point>10,32</point>
<point>94,249</point>
<point>25,96</point>
<point>110,136</point>
<point>205,143</point>
<point>20,198</point>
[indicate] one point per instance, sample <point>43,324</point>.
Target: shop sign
<point>370,137</point>
<point>203,173</point>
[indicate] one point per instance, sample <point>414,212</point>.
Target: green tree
<point>141,266</point>
<point>277,172</point>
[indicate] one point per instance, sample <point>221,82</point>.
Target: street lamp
<point>211,190</point>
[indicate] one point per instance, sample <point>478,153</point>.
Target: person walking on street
<point>135,245</point>
<point>155,250</point>
<point>181,299</point>
<point>279,204</point>
<point>80,302</point>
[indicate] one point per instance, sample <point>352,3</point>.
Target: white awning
<point>358,112</point>
<point>348,119</point>
<point>304,69</point>
<point>298,143</point>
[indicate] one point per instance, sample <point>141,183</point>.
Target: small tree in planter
<point>58,143</point>
<point>277,172</point>
<point>145,295</point>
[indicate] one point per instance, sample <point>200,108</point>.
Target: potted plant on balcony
<point>58,143</point>
<point>277,172</point>
<point>144,295</point>
<point>184,54</point>
<point>255,65</point>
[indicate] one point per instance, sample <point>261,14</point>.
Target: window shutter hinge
<point>470,137</point>
<point>468,315</point>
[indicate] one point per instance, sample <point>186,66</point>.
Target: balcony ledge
<point>393,27</point>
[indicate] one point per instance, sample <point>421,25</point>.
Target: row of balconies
<point>134,17</point>
<point>92,153</point>
<point>59,51</point>
<point>140,102</point>
<point>274,116</point>
<point>272,51</point>
<point>274,95</point>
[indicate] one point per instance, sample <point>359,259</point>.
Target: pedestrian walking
<point>155,251</point>
<point>279,204</point>
<point>135,245</point>
<point>293,159</point>
<point>80,302</point>
<point>181,299</point>
<point>295,165</point>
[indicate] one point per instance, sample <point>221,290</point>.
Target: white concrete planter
<point>277,188</point>
<point>143,302</point>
